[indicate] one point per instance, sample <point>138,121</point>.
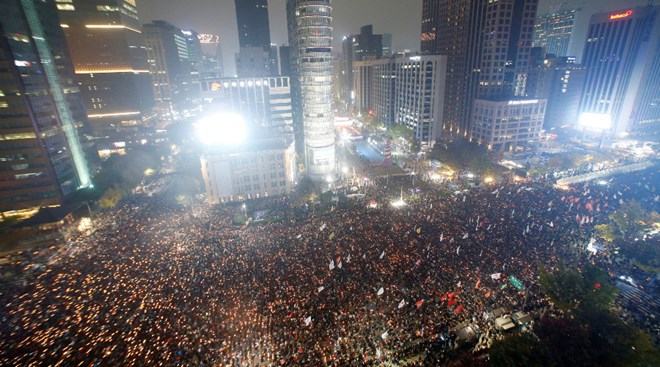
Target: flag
<point>378,354</point>
<point>418,262</point>
<point>419,230</point>
<point>402,303</point>
<point>458,250</point>
<point>552,224</point>
<point>427,279</point>
<point>504,286</point>
<point>419,303</point>
<point>451,295</point>
<point>382,254</point>
<point>451,302</point>
<point>321,228</point>
<point>495,276</point>
<point>332,264</point>
<point>487,295</point>
<point>320,289</point>
<point>597,285</point>
<point>383,335</point>
<point>348,258</point>
<point>308,320</point>
<point>459,309</point>
<point>339,265</point>
<point>332,235</point>
<point>298,236</point>
<point>477,286</point>
<point>441,236</point>
<point>465,236</point>
<point>380,291</point>
<point>444,297</point>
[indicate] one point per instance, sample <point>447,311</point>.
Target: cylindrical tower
<point>312,36</point>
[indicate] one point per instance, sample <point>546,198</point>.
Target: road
<point>368,152</point>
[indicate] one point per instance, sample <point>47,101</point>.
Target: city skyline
<point>400,18</point>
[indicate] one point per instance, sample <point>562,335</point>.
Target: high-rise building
<point>406,90</point>
<point>619,57</point>
<point>387,45</point>
<point>455,28</point>
<point>285,60</point>
<point>253,23</point>
<point>359,47</point>
<point>254,34</point>
<point>253,62</point>
<point>44,152</point>
<point>169,67</point>
<point>431,21</point>
<point>553,31</point>
<point>264,167</point>
<point>262,102</point>
<point>310,38</point>
<point>211,65</point>
<point>488,46</point>
<point>110,61</point>
<point>647,116</point>
<point>507,43</point>
<point>560,80</point>
<point>505,125</point>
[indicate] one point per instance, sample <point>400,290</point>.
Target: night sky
<point>402,18</point>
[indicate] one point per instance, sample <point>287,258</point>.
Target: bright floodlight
<point>223,128</point>
<point>398,203</point>
<point>598,121</point>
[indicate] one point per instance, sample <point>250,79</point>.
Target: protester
<point>166,286</point>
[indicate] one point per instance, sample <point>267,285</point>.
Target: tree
<point>463,154</point>
<point>630,219</point>
<point>571,290</point>
<point>566,339</point>
<point>613,343</point>
<point>606,231</point>
<point>522,350</point>
<point>399,131</point>
<point>110,198</point>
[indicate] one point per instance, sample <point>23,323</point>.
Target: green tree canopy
<point>520,350</point>
<point>571,290</point>
<point>463,154</point>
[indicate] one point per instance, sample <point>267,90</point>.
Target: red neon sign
<point>621,15</point>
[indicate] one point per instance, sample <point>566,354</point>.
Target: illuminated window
<point>67,7</point>
<point>4,104</point>
<point>107,8</point>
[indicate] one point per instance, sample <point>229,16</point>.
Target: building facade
<point>44,148</point>
<point>508,124</point>
<point>109,56</point>
<point>553,31</point>
<point>359,47</point>
<point>263,102</point>
<point>310,38</point>
<point>560,80</point>
<point>488,46</point>
<point>618,56</point>
<point>170,69</point>
<point>406,90</point>
<point>263,169</point>
<point>254,35</point>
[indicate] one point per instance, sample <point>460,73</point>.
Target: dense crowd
<point>167,285</point>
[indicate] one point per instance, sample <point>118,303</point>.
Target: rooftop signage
<point>615,16</point>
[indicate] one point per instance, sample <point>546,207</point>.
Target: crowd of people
<point>360,284</point>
